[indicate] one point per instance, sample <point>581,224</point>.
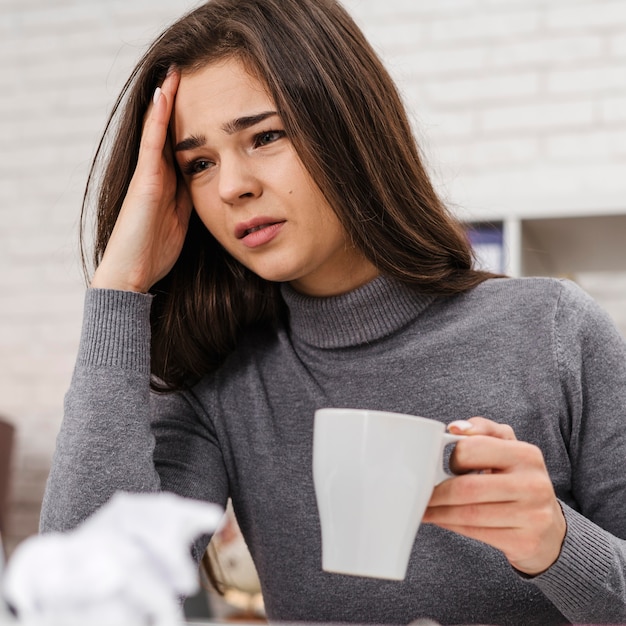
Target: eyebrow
<point>230,128</point>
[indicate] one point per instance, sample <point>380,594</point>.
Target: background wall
<point>520,106</point>
<point>63,63</point>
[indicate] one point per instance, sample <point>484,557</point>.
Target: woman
<point>269,243</point>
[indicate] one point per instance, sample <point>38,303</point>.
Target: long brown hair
<point>349,127</point>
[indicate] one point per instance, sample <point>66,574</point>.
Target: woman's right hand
<point>150,229</point>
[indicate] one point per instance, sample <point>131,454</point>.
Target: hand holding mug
<point>504,498</point>
<point>151,227</point>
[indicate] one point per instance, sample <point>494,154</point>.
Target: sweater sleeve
<point>588,581</point>
<point>116,434</point>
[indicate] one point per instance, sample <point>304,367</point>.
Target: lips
<point>252,226</point>
<point>253,230</point>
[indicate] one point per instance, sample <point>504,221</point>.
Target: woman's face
<point>250,188</point>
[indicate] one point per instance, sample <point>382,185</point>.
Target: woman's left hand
<point>503,497</point>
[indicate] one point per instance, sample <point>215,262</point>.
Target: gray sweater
<point>537,354</point>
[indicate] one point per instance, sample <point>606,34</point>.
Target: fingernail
<point>157,95</point>
<point>461,425</point>
<point>170,70</point>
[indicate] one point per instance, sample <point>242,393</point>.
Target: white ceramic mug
<point>374,473</point>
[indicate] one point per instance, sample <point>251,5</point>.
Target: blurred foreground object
<point>7,435</point>
<point>233,574</point>
<point>128,564</point>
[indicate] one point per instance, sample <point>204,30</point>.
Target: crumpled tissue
<point>128,564</point>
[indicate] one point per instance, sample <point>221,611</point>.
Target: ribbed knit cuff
<point>116,330</point>
<point>582,569</point>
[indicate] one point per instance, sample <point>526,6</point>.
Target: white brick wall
<point>511,82</point>
<point>520,104</point>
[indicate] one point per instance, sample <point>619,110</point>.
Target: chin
<point>274,273</point>
<point>275,277</point>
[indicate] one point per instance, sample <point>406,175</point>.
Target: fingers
<point>477,426</point>
<point>481,426</point>
<point>481,454</point>
<point>469,518</point>
<point>528,531</point>
<point>504,496</point>
<point>168,88</point>
<point>157,118</point>
<point>518,483</point>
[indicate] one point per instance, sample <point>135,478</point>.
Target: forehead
<point>217,93</point>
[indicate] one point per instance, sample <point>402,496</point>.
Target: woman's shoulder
<point>530,290</point>
<point>528,300</point>
<point>559,302</point>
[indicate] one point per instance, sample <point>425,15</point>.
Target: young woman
<point>268,243</point>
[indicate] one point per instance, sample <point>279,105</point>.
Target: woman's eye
<point>197,166</point>
<point>270,136</point>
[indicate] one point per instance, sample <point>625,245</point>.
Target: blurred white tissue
<point>128,564</point>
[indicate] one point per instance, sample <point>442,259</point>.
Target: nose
<point>237,180</point>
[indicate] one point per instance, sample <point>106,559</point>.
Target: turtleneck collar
<point>375,310</point>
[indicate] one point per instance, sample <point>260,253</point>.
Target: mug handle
<point>441,474</point>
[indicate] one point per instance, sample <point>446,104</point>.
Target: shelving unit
<point>590,249</point>
<point>560,245</point>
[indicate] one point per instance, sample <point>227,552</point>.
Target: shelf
<point>590,250</point>
<point>559,246</point>
<point>565,246</point>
